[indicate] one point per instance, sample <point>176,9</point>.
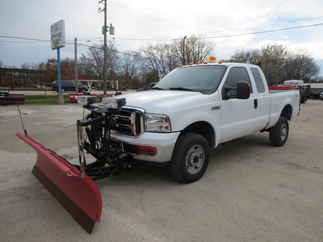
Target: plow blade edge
<point>80,196</point>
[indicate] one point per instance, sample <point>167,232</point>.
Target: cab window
<point>236,74</point>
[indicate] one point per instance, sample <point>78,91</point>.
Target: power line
<point>22,38</point>
<point>22,42</point>
<point>265,31</point>
<point>230,35</point>
<point>145,39</point>
<point>310,19</point>
<point>36,40</point>
<point>300,21</point>
<point>206,37</point>
<point>25,38</point>
<point>237,35</point>
<point>89,46</point>
<point>241,34</point>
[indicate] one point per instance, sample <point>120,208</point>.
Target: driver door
<point>236,114</point>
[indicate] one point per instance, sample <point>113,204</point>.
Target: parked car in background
<point>7,98</point>
<point>316,89</point>
<point>304,89</point>
<point>294,82</point>
<point>70,85</point>
<point>321,95</point>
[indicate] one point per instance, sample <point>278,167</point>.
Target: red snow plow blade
<point>80,196</point>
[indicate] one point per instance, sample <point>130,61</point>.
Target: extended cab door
<point>237,115</point>
<point>262,100</point>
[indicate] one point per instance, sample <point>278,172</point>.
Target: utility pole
<point>104,32</point>
<point>76,76</point>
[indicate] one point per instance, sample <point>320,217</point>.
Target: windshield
<point>193,78</point>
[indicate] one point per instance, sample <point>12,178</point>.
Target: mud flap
<point>80,196</point>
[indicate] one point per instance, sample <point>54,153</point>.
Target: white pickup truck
<point>197,107</point>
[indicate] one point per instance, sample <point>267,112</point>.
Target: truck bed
<point>279,99</point>
<point>279,91</point>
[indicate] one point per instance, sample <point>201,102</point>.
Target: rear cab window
<point>259,81</point>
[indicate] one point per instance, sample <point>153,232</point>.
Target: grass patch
<point>42,99</point>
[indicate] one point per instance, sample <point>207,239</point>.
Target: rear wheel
<point>190,159</point>
<point>278,134</point>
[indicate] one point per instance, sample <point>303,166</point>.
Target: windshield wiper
<point>182,89</point>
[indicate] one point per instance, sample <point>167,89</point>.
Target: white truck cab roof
<point>227,64</point>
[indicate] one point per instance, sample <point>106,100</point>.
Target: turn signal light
<point>146,150</point>
<point>212,59</point>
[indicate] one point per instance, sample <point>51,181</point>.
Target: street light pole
<point>184,49</point>
<point>76,77</point>
<point>59,77</point>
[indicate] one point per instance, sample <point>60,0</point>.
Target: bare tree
<point>274,58</point>
<point>301,67</point>
<point>162,58</point>
<point>88,68</point>
<point>25,66</point>
<point>93,61</point>
<point>130,64</point>
<point>279,64</point>
<point>192,50</point>
<point>252,56</point>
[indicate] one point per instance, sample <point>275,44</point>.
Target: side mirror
<point>243,90</point>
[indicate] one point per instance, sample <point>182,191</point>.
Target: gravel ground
<point>251,191</point>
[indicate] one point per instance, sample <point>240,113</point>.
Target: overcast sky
<point>159,20</point>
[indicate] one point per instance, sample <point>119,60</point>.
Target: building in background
<point>16,78</point>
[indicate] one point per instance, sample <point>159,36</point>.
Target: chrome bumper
<point>164,143</point>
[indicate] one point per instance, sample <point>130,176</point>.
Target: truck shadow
<point>239,150</point>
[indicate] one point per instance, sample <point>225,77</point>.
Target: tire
<point>190,158</point>
<point>303,99</point>
<point>278,134</point>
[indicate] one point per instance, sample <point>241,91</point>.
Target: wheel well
<point>287,112</point>
<point>203,128</point>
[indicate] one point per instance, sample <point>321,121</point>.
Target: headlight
<point>157,123</point>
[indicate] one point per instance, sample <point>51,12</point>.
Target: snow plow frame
<point>73,184</point>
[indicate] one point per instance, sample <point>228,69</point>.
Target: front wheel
<point>278,134</point>
<point>190,159</point>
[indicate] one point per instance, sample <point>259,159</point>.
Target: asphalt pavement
<point>250,192</point>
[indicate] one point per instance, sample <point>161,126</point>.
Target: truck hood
<point>163,101</point>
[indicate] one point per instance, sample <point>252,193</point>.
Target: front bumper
<point>164,143</point>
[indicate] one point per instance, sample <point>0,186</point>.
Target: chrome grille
<point>128,121</point>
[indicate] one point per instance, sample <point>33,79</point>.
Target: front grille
<point>128,122</point>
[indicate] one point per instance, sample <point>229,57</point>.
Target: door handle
<point>255,103</point>
<point>217,107</point>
